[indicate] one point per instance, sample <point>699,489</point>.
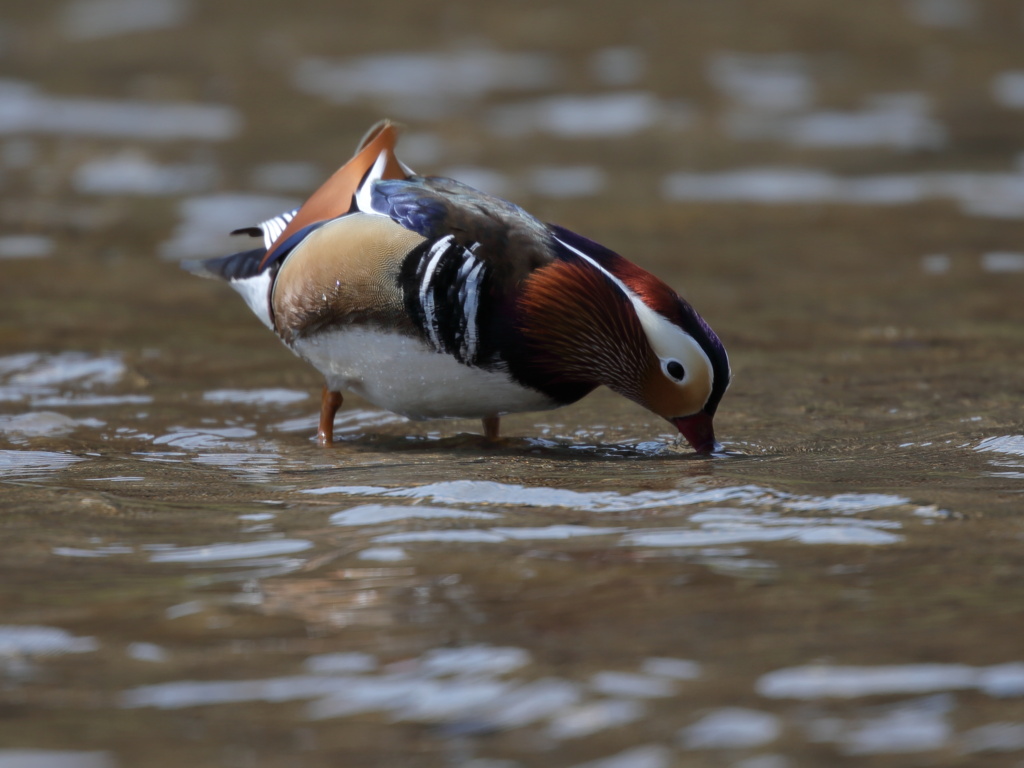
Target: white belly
<point>403,375</point>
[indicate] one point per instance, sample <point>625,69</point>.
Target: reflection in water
<point>23,109</point>
<point>53,758</point>
<point>25,246</point>
<point>824,681</point>
<point>259,397</point>
<point>1008,89</point>
<point>732,728</point>
<point>582,117</point>
<point>41,641</point>
<point>918,725</point>
<point>93,19</point>
<point>377,514</point>
<point>231,551</point>
<point>776,82</point>
<point>982,194</point>
<point>424,85</point>
<point>489,492</point>
<point>899,121</point>
<point>130,172</point>
<point>942,13</point>
<point>33,463</point>
<point>1002,261</point>
<point>207,220</point>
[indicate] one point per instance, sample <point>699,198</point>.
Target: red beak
<point>699,431</point>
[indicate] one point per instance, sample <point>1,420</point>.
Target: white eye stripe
<point>668,340</point>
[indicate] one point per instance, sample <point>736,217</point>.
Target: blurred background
<point>838,188</point>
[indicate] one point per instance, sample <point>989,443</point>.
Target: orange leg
<point>330,402</point>
<point>492,425</point>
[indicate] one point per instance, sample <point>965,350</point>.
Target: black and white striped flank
<point>442,283</point>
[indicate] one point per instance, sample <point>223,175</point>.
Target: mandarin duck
<point>434,300</point>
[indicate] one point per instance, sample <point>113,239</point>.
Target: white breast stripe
<point>437,250</point>
<point>470,297</point>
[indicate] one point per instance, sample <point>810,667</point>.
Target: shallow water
<point>186,579</point>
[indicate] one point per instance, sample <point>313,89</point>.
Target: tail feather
<point>237,266</point>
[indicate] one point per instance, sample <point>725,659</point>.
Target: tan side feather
<point>345,272</point>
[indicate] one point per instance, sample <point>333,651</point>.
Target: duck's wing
<point>509,241</point>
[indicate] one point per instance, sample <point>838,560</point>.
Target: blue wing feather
<point>411,205</point>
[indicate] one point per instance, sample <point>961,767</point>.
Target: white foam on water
<point>25,246</point>
<point>96,19</point>
<point>131,172</point>
<point>29,640</point>
<point>377,514</point>
<point>55,758</point>
<point>731,728</point>
<point>23,109</point>
<point>231,551</point>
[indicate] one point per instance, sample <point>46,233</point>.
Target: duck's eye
<point>675,369</point>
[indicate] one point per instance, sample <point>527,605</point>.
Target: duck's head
<point>599,318</point>
<point>687,369</point>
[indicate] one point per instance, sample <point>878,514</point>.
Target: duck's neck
<point>580,331</point>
